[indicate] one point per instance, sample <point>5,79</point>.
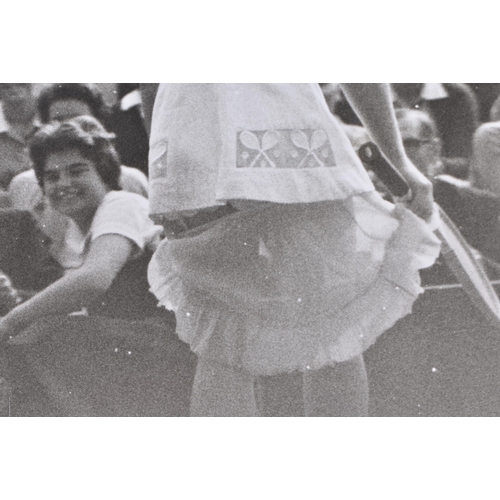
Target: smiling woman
<point>78,170</point>
<point>73,186</point>
<point>107,362</point>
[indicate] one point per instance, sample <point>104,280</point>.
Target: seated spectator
<point>453,107</point>
<point>56,102</point>
<point>19,109</point>
<point>421,141</point>
<point>117,338</point>
<point>485,165</point>
<point>62,101</point>
<point>78,171</point>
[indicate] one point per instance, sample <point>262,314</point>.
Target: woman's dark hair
<point>85,92</point>
<point>83,133</point>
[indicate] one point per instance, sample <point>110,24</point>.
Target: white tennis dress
<point>312,267</point>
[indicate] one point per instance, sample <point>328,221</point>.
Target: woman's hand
<point>373,104</point>
<point>421,201</point>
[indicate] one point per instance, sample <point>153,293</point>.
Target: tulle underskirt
<point>281,288</point>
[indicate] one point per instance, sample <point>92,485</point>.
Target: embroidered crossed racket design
<point>285,148</point>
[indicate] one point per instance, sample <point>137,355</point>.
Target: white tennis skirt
<point>279,288</point>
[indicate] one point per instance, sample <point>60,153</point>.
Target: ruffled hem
<point>310,333</point>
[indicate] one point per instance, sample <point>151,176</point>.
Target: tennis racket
<point>455,251</point>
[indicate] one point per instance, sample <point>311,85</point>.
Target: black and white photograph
<point>191,272</point>
<point>253,249</point>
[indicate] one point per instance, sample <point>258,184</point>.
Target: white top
<point>122,213</point>
<point>212,143</point>
<point>26,194</point>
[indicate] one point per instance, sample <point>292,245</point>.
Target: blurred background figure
<point>485,165</point>
<point>454,109</point>
<point>421,141</point>
<point>63,101</point>
<point>19,110</point>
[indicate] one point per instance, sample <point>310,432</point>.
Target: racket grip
<point>373,159</point>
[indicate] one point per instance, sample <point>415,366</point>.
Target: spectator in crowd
<point>60,102</point>
<point>19,112</point>
<point>485,165</point>
<point>63,101</point>
<point>454,108</point>
<point>78,169</point>
<point>421,141</point>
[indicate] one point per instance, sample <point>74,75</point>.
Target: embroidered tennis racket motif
<point>318,139</point>
<point>284,148</point>
<point>268,141</point>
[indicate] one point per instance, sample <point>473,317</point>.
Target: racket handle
<point>373,159</point>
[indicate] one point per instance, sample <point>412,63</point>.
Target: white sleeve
<point>125,214</point>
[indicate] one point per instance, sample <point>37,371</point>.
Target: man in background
<point>19,110</point>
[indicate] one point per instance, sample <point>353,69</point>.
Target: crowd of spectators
<point>66,142</point>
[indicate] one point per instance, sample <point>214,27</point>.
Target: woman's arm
<point>107,256</point>
<point>372,103</point>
